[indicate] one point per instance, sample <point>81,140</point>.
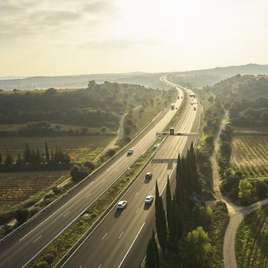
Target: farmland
<point>18,187</point>
<point>252,240</point>
<point>80,148</point>
<point>249,155</point>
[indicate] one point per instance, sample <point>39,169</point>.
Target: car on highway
<point>148,176</point>
<point>148,200</point>
<point>130,151</point>
<point>121,204</point>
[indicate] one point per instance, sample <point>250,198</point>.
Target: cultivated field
<point>17,187</point>
<point>252,241</point>
<point>249,155</point>
<point>80,148</point>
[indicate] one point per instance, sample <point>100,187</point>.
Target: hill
<point>200,78</point>
<point>77,81</point>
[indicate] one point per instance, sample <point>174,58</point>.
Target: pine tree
<point>160,218</point>
<point>1,159</point>
<point>152,255</point>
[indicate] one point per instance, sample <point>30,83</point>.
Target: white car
<point>130,151</point>
<point>121,204</point>
<point>149,199</point>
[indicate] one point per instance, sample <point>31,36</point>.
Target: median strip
<point>60,248</point>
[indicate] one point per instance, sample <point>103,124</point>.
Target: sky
<point>62,37</point>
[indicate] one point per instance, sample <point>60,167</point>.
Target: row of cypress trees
<point>180,214</point>
<point>32,159</point>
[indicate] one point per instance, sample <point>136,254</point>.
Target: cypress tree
<point>160,217</point>
<point>170,217</point>
<point>152,255</point>
<point>47,156</point>
<point>9,159</point>
<point>1,159</point>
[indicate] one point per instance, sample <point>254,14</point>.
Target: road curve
<point>113,243</point>
<point>19,248</point>
<point>236,213</point>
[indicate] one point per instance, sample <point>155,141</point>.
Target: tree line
<point>35,159</point>
<point>181,239</point>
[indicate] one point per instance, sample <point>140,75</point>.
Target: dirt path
<point>236,213</point>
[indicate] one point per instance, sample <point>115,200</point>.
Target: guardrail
<point>77,187</point>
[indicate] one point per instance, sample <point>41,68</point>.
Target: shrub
<point>78,173</point>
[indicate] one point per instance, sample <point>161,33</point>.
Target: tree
<point>198,248</point>
<point>22,215</point>
<point>170,218</point>
<point>9,159</point>
<point>1,159</point>
<point>152,255</point>
<point>261,189</point>
<point>47,152</point>
<point>160,218</point>
<point>78,173</point>
<point>245,190</point>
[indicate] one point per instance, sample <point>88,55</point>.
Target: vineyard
<point>17,187</point>
<point>249,155</point>
<point>252,240</point>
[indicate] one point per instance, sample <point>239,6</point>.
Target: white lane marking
<point>120,235</point>
<point>100,266</point>
<point>131,245</point>
<point>36,239</point>
<point>104,236</point>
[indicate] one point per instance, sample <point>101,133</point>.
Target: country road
<point>236,213</point>
<point>120,239</point>
<point>18,248</point>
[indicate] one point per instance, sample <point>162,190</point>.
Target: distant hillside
<point>247,98</point>
<point>78,81</point>
<point>199,78</point>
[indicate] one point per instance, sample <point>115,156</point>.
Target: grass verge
<point>219,222</point>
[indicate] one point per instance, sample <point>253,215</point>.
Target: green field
<point>252,240</point>
<point>80,148</point>
<point>249,155</point>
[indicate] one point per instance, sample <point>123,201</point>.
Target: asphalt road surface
<point>120,239</point>
<point>24,244</point>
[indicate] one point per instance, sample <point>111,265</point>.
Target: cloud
<point>25,18</point>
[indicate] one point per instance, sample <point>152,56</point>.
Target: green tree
<point>170,216</point>
<point>198,248</point>
<point>47,156</point>
<point>160,218</point>
<point>245,190</point>
<point>1,158</point>
<point>9,159</point>
<point>152,255</point>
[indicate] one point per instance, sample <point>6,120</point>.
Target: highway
<point>120,239</point>
<point>25,243</point>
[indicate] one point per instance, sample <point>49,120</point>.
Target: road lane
<point>14,254</point>
<point>110,253</point>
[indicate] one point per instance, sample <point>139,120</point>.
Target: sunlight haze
<point>79,37</point>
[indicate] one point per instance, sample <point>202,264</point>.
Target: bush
<point>42,264</point>
<point>78,173</point>
<point>261,189</point>
<point>22,215</point>
<point>89,165</point>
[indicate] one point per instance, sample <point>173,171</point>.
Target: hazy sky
<point>39,37</point>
